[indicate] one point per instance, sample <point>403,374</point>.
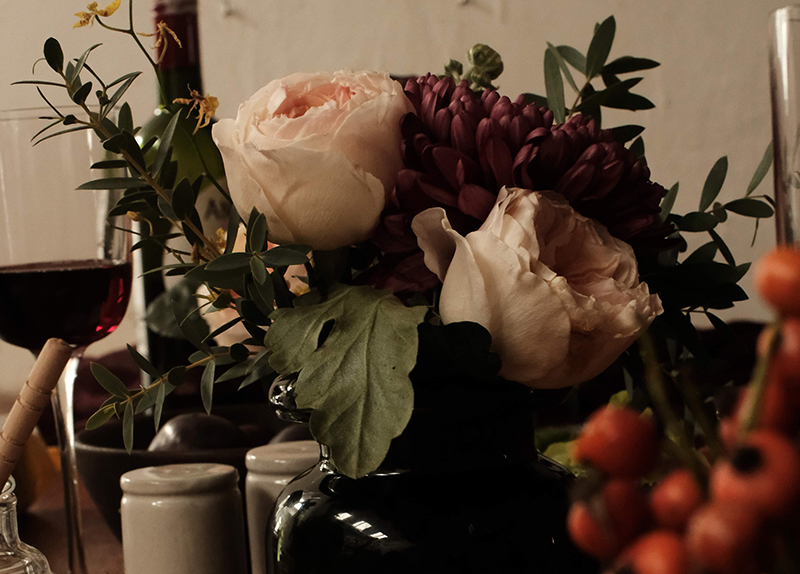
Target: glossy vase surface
<point>462,490</point>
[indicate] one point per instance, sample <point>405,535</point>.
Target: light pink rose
<point>560,296</point>
<point>316,154</point>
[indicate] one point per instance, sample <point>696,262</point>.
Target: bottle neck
<point>180,67</point>
<point>9,533</point>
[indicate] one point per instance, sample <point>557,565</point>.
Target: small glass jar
<point>16,557</point>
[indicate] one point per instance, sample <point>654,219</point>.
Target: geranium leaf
<point>356,380</point>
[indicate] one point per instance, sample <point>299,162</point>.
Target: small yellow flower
<point>87,18</point>
<point>206,107</point>
<point>161,42</point>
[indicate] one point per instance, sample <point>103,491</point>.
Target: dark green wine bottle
<point>181,72</point>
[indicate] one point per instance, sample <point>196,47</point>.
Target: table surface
<point>43,526</point>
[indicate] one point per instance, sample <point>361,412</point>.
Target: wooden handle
<point>31,401</point>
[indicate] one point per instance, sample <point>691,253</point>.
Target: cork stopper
<point>31,402</point>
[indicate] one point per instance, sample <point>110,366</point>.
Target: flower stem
<point>758,383</point>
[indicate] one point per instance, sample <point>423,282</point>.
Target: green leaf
<point>109,381</point>
<point>159,406</point>
<point>669,201</point>
<point>207,385</point>
<point>143,363</point>
<point>600,47</point>
<point>127,427</point>
<point>164,145</point>
<point>563,65</point>
<point>233,229</point>
<point>75,72</point>
<point>554,86</point>
<point>37,83</point>
<point>82,93</point>
<point>713,184</point>
<point>573,57</point>
<point>262,294</point>
<point>601,98</point>
<point>238,352</point>
<point>624,134</point>
<point>160,317</point>
<point>703,254</point>
<point>259,270</point>
<point>237,261</point>
<point>628,101</point>
<point>697,221</point>
<point>115,183</point>
<point>257,234</point>
<point>357,381</point>
<point>110,164</point>
<point>761,170</point>
<point>183,199</point>
<point>750,207</point>
<point>637,147</point>
<point>112,101</point>
<point>100,418</point>
<point>627,64</point>
<point>125,118</point>
<point>62,132</point>
<point>723,247</point>
<point>283,256</point>
<point>222,328</point>
<point>195,331</point>
<point>53,54</point>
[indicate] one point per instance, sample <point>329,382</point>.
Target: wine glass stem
<point>65,428</point>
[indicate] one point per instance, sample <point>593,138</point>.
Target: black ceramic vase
<point>462,490</point>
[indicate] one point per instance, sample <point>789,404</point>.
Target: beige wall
<point>711,91</point>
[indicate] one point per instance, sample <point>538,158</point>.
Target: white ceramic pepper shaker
<point>183,519</point>
<point>269,469</point>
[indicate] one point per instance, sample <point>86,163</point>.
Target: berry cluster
<point>737,514</point>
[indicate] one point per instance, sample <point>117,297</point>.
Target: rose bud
<point>619,442</point>
<point>763,473</point>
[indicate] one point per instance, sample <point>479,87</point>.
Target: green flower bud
<point>486,61</point>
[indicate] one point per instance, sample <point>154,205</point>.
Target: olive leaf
<point>356,380</point>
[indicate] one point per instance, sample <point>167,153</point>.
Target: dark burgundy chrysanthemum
<point>460,148</point>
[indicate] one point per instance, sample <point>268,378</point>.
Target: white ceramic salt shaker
<point>183,519</point>
<point>269,469</point>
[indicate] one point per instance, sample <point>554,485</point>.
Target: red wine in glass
<point>78,301</point>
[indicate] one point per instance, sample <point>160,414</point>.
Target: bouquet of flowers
<point>384,234</point>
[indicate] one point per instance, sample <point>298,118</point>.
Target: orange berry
<point>587,533</point>
<point>787,359</point>
<point>658,552</point>
<point>776,411</point>
<point>723,538</point>
<point>777,279</point>
<point>605,523</point>
<point>675,499</point>
<point>619,442</point>
<point>763,473</point>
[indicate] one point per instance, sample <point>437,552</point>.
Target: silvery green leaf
<point>761,170</point>
<point>207,385</point>
<point>554,86</point>
<point>600,47</point>
<point>713,184</point>
<point>109,381</point>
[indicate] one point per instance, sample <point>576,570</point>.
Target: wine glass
<point>64,270</point>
